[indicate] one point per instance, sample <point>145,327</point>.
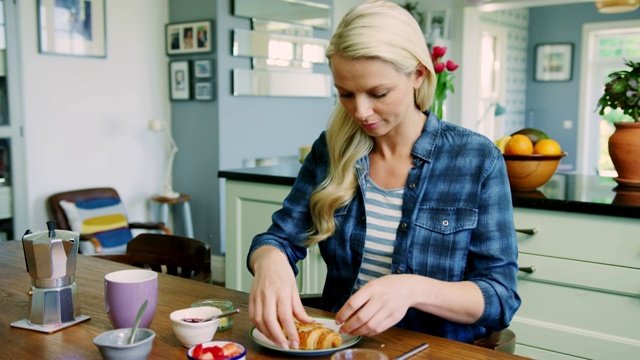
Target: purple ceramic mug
<point>124,293</point>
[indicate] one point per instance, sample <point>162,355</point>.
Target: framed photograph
<point>553,62</point>
<point>202,68</point>
<point>179,77</point>
<point>188,38</point>
<point>72,27</point>
<point>437,25</point>
<point>204,91</point>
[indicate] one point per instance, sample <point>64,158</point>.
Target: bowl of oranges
<point>531,158</point>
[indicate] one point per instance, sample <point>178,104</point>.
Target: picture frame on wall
<point>179,80</point>
<point>203,91</point>
<point>553,62</point>
<point>188,37</point>
<point>202,68</point>
<point>72,28</point>
<point>438,24</point>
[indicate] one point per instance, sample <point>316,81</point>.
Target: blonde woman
<point>413,215</point>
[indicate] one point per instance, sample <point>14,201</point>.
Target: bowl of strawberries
<point>217,350</point>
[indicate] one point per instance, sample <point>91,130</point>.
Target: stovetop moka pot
<point>50,258</point>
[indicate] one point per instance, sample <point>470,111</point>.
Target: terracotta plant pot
<point>624,149</point>
<point>626,196</point>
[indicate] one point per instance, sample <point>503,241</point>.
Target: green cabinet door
<point>249,207</point>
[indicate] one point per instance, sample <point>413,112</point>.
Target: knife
<point>412,352</point>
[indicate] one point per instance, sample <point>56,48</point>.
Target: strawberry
<point>197,351</point>
<point>215,353</point>
<point>231,350</point>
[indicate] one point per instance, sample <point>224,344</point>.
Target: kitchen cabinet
<point>249,207</point>
<point>581,296</point>
<point>580,287</point>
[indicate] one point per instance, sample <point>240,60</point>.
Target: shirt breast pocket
<point>441,241</point>
<point>448,220</point>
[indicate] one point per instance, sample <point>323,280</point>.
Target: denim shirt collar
<point>424,147</point>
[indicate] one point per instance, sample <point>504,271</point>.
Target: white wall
<point>85,119</point>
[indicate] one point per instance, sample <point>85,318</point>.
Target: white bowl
<point>242,356</point>
<point>190,334</point>
<point>113,345</point>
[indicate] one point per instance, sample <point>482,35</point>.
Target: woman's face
<point>375,93</point>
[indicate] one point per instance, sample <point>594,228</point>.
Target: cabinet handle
<point>527,269</point>
<point>531,231</point>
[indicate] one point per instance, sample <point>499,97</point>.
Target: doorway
<point>13,209</point>
<point>491,81</point>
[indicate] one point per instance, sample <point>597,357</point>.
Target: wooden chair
<point>59,214</point>
<point>502,341</point>
<point>169,254</point>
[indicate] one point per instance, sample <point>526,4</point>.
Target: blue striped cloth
<point>384,209</point>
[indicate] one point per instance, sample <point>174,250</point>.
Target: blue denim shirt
<point>456,225</point>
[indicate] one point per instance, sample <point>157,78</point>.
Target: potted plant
<point>621,92</point>
<point>412,8</point>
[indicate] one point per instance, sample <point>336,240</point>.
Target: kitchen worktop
<point>588,194</point>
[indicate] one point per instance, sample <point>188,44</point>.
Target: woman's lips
<point>370,126</point>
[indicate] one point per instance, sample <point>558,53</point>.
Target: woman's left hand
<point>383,302</point>
<point>377,306</point>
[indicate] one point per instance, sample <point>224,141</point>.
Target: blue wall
<point>261,126</point>
<point>195,129</point>
<point>550,103</point>
<point>220,134</point>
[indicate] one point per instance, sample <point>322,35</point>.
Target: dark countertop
<point>587,194</point>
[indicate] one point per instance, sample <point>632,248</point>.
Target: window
<point>608,46</point>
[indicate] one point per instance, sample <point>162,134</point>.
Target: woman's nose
<point>363,108</point>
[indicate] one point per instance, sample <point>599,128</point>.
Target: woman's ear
<point>419,75</point>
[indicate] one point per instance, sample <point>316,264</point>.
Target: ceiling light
<point>616,6</point>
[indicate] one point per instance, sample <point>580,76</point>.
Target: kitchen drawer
<point>535,353</point>
<point>578,322</point>
<point>607,278</point>
<point>592,238</point>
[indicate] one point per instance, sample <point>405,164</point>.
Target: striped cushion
<point>104,218</point>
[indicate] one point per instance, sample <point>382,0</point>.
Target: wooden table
<point>76,342</point>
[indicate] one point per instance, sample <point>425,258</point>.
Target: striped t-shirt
<point>383,209</point>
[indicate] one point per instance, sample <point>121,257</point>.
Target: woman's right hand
<point>274,300</point>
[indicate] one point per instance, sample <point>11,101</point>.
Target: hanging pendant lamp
<point>616,6</point>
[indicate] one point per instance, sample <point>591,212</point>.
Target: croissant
<point>316,336</point>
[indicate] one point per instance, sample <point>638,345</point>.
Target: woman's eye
<point>378,96</point>
<point>346,96</point>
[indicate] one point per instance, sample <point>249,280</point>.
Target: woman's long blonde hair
<point>374,29</point>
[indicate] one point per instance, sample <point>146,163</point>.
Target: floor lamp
<point>158,125</point>
<point>499,110</point>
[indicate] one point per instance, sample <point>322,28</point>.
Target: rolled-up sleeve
<point>493,254</point>
<point>291,223</point>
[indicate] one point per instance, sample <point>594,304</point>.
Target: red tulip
<point>451,66</point>
<point>439,67</point>
<point>439,51</point>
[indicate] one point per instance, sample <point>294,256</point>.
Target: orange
<point>519,145</point>
<point>547,147</point>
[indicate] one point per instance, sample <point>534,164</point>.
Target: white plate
<point>347,340</point>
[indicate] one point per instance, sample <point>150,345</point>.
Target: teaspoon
<point>222,314</point>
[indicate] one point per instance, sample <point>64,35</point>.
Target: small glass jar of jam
<point>224,305</point>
